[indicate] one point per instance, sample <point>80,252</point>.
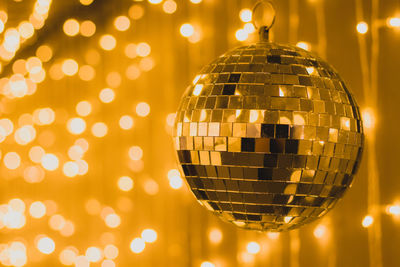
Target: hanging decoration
<point>268,136</point>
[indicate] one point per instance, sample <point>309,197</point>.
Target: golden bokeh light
<point>71,27</point>
<point>46,245</point>
<point>143,49</point>
<point>70,169</point>
<point>68,256</point>
<point>155,2</point>
<point>86,2</point>
<point>126,122</point>
<point>304,45</point>
<point>83,108</point>
<point>44,53</point>
<point>112,220</point>
<point>150,187</point>
<point>207,264</point>
<point>175,179</point>
<point>253,247</point>
<point>170,6</point>
<point>69,67</point>
<point>130,50</point>
<point>320,231</point>
<point>37,209</point>
<point>107,42</point>
<point>187,30</point>
<point>149,235</point>
<point>136,11</point>
<point>87,28</point>
<point>99,129</point>
<point>362,27</point>
<point>245,15</point>
<point>26,29</point>
<point>125,183</point>
<point>94,254</point>
<point>143,109</point>
<point>135,153</point>
<point>76,126</point>
<point>122,23</point>
<point>12,160</point>
<point>215,236</point>
<point>367,221</point>
<point>114,79</point>
<point>393,22</point>
<point>241,35</point>
<point>137,245</point>
<point>86,73</point>
<point>50,162</point>
<point>107,95</point>
<point>111,252</point>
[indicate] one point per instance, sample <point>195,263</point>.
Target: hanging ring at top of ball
<point>263,17</point>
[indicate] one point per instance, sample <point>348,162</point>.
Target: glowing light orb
<point>137,245</point>
<point>46,245</point>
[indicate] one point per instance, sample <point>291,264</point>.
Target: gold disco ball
<point>268,136</point>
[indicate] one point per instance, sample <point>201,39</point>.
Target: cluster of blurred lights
<point>175,179</point>
<point>13,254</point>
<point>392,22</point>
<point>27,73</point>
<point>14,37</point>
<point>245,16</point>
<point>191,32</point>
<point>138,244</point>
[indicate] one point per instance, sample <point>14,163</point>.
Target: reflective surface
<point>268,137</point>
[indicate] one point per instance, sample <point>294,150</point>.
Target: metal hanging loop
<point>263,18</point>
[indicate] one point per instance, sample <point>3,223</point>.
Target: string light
<point>107,42</point>
<point>71,27</point>
<point>143,109</point>
<point>320,231</point>
<point>170,6</point>
<point>241,35</point>
<point>368,118</point>
<point>125,183</point>
<point>46,245</point>
<point>304,45</point>
<point>393,22</point>
<point>186,30</point>
<point>215,236</point>
<point>207,264</point>
<point>122,23</point>
<point>393,210</point>
<point>137,245</point>
<point>87,28</point>
<point>253,247</point>
<point>367,221</point>
<point>149,235</point>
<point>155,2</point>
<point>362,27</point>
<point>246,15</point>
<point>175,180</point>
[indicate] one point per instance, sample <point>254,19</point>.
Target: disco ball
<point>268,137</point>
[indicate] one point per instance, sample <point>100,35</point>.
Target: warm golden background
<point>88,95</point>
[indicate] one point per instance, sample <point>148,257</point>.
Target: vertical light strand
<point>322,46</point>
<point>294,248</point>
<point>293,21</point>
<point>321,28</point>
<point>362,42</point>
<point>294,235</point>
<point>374,231</point>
